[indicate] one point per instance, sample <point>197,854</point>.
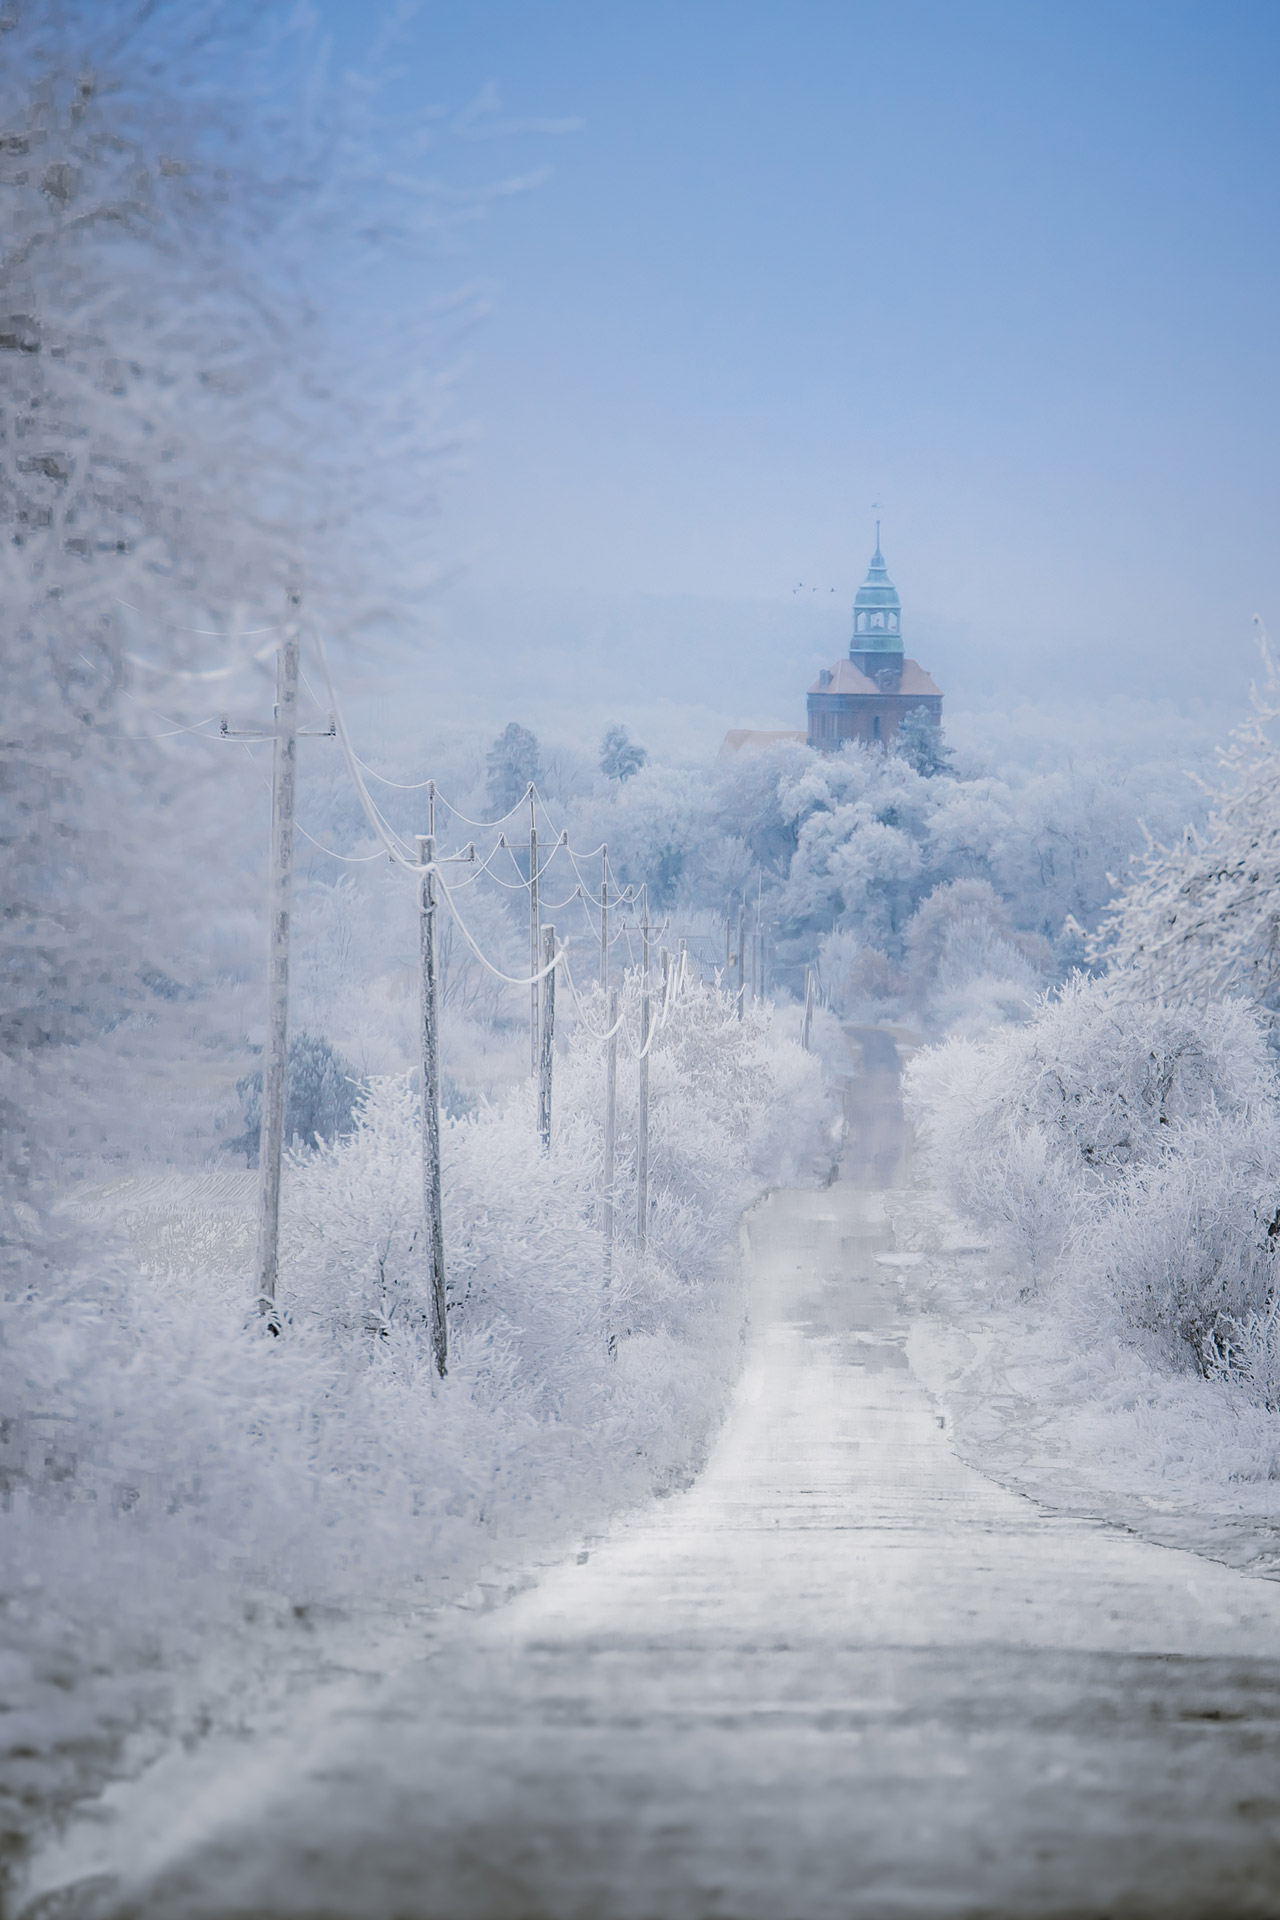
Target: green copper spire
<point>877,610</point>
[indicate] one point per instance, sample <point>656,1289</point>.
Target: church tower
<point>876,646</point>
<point>867,696</point>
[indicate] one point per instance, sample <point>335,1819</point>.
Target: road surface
<point>844,1675</point>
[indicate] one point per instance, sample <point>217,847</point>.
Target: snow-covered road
<point>842,1675</point>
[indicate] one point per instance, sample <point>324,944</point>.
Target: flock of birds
<point>799,587</point>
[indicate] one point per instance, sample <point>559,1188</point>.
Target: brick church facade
<point>867,696</point>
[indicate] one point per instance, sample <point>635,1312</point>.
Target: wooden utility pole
<point>275,1077</point>
<point>642,1127</point>
<point>432,1211</point>
<point>610,1133</point>
<point>534,941</point>
<point>284,734</point>
<point>548,1037</point>
<point>604,917</point>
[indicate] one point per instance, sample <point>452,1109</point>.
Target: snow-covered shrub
<point>158,1437</point>
<point>1186,1247</point>
<point>732,1107</point>
<point>1028,1128</point>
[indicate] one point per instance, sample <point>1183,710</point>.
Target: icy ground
<point>844,1674</point>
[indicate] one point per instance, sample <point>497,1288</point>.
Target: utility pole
<point>642,1129</point>
<point>610,1132</point>
<point>275,1078</point>
<point>548,1037</point>
<point>604,916</point>
<point>432,1212</point>
<point>284,735</point>
<point>808,1007</point>
<point>533,933</point>
<point>742,958</point>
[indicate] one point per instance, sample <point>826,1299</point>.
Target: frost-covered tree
<point>921,743</point>
<point>323,1093</point>
<point>512,764</point>
<point>621,757</point>
<point>1202,918</point>
<point>187,415</point>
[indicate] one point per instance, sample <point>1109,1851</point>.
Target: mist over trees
<point>191,423</point>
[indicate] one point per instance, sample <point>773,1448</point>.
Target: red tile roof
<point>846,678</point>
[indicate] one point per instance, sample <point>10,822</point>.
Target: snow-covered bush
<point>1029,1129</point>
<point>160,1428</point>
<point>1186,1247</point>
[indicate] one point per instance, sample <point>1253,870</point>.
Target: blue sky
<point>1009,271</point>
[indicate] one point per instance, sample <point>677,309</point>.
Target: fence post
<point>534,942</point>
<point>432,1210</point>
<point>604,916</point>
<point>548,1037</point>
<point>275,1078</point>
<point>610,1133</point>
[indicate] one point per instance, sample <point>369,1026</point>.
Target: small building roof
<point>751,739</point>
